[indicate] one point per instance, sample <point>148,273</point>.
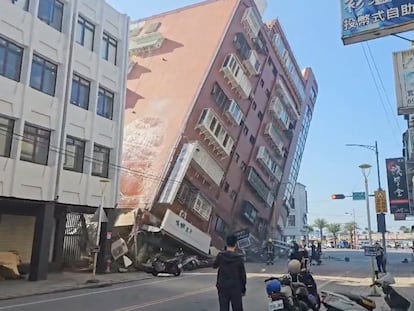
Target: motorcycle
<point>349,302</point>
<point>293,296</point>
<point>171,266</point>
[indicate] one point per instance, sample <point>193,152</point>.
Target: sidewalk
<point>66,281</point>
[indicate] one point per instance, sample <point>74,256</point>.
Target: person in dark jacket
<point>231,277</point>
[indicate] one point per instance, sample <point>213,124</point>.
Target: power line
<point>379,93</point>
<point>383,87</point>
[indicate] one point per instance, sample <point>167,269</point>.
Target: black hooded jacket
<point>231,271</point>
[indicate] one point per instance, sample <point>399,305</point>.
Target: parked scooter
<point>348,302</point>
<point>171,266</point>
<point>287,295</point>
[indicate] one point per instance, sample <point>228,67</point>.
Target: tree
<point>321,224</point>
<point>334,229</point>
<point>311,229</point>
<point>350,228</point>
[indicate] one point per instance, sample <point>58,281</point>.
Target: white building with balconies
<point>63,66</point>
<point>297,221</point>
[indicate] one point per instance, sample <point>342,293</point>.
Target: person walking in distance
<point>231,277</point>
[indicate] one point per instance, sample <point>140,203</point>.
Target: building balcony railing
<point>278,112</point>
<point>146,42</point>
<point>251,22</point>
<point>214,131</point>
<point>252,63</point>
<point>233,71</point>
<point>260,187</point>
<point>286,99</point>
<point>234,113</point>
<point>203,162</point>
<point>276,140</point>
<point>266,160</point>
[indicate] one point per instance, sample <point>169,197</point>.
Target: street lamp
<point>103,184</point>
<point>381,216</point>
<point>366,169</point>
<point>354,229</point>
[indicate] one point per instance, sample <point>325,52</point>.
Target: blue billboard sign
<point>369,19</point>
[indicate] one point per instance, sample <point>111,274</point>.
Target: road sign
<point>380,201</point>
<point>370,251</point>
<point>358,196</point>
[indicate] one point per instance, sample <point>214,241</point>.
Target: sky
<point>351,107</point>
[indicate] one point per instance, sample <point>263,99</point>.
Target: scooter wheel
<point>177,272</point>
<point>154,273</point>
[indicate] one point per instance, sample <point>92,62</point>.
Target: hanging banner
<point>404,81</point>
<point>364,20</point>
<point>397,186</point>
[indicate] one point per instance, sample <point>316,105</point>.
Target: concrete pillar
<point>59,240</point>
<point>39,264</point>
<point>106,241</point>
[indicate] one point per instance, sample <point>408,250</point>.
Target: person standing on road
<point>231,277</point>
<point>380,258</point>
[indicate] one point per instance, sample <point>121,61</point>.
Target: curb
<point>74,288</point>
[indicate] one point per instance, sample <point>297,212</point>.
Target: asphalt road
<point>196,291</point>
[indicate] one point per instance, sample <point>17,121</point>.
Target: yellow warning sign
<point>380,202</point>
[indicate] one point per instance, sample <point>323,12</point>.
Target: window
<point>109,48</point>
<point>51,12</point>
<point>220,226</point>
<point>100,165</point>
<point>105,103</point>
<point>75,152</point>
<point>43,75</point>
<point>254,106</point>
<point>80,92</point>
<point>252,139</point>
<point>268,93</point>
<point>291,221</point>
<point>10,59</point>
<point>219,96</point>
<point>226,187</point>
<point>24,4</point>
<point>245,130</point>
<point>236,157</point>
<point>35,145</point>
<point>261,82</point>
<point>85,33</point>
<point>260,115</point>
<point>243,166</point>
<point>6,136</point>
<point>233,195</point>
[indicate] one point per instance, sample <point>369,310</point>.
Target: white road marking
<point>109,290</point>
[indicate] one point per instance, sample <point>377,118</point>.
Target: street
<point>196,290</point>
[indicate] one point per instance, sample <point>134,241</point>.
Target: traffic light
<point>337,196</point>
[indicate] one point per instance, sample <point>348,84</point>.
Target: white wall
<point>300,211</point>
<point>25,104</point>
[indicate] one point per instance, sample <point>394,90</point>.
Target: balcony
<point>233,72</point>
<point>266,160</point>
<point>249,212</point>
<point>286,99</point>
<point>251,22</point>
<point>276,140</point>
<point>234,113</point>
<point>278,112</point>
<point>252,63</point>
<point>260,187</point>
<point>201,206</point>
<point>147,42</point>
<point>214,132</point>
<point>204,163</point>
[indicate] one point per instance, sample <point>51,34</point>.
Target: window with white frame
<point>51,12</point>
<point>85,33</point>
<point>109,48</point>
<point>291,221</point>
